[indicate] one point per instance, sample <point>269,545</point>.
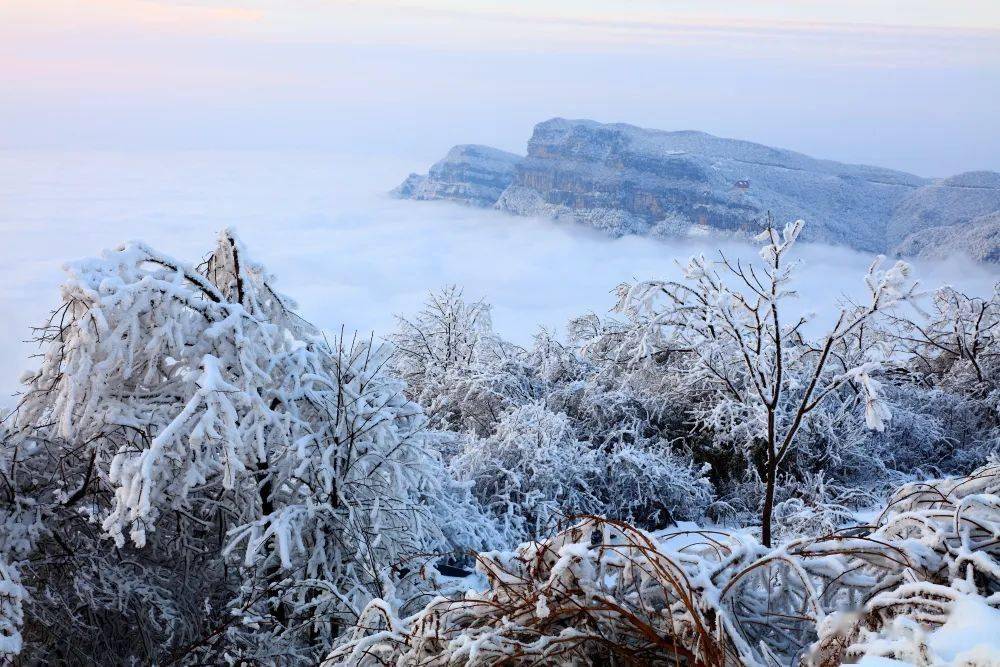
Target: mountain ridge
<point>625,179</point>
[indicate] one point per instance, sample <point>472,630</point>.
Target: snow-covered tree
<point>438,349</point>
<point>769,378</point>
<point>957,343</point>
<point>14,545</point>
<point>256,483</point>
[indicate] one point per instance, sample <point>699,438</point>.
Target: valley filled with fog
<point>349,254</point>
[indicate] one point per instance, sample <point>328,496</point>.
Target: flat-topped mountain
<point>625,179</point>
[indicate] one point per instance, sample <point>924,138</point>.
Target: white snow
<point>971,635</point>
<point>969,638</point>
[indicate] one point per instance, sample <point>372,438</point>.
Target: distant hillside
<point>625,179</point>
<point>978,238</point>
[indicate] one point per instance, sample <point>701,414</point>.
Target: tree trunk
<point>768,500</point>
<point>769,481</point>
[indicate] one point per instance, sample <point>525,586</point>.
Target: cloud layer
<point>346,252</point>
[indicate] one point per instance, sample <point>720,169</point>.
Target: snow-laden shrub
<point>447,353</point>
<point>535,470</point>
<point>651,486</point>
<point>815,506</point>
<point>531,472</point>
<point>958,342</point>
<point>12,596</point>
<point>602,592</point>
<point>936,547</point>
<point>596,593</point>
<point>213,476</point>
<point>952,364</point>
<point>933,433</point>
<point>541,432</point>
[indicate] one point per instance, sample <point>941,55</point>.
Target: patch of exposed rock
<point>471,174</point>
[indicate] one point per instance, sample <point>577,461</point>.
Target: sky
<point>912,84</point>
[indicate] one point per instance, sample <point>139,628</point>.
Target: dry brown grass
<point>601,592</point>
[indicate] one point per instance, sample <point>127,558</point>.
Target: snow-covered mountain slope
<point>978,238</point>
<point>950,201</point>
<point>625,179</point>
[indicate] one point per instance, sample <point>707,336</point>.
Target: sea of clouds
<point>346,252</point>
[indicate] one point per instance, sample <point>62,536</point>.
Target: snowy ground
<point>970,636</point>
<point>345,251</point>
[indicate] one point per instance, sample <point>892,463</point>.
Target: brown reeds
<point>601,592</point>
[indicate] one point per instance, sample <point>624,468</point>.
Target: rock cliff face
<point>472,174</point>
<point>624,179</point>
